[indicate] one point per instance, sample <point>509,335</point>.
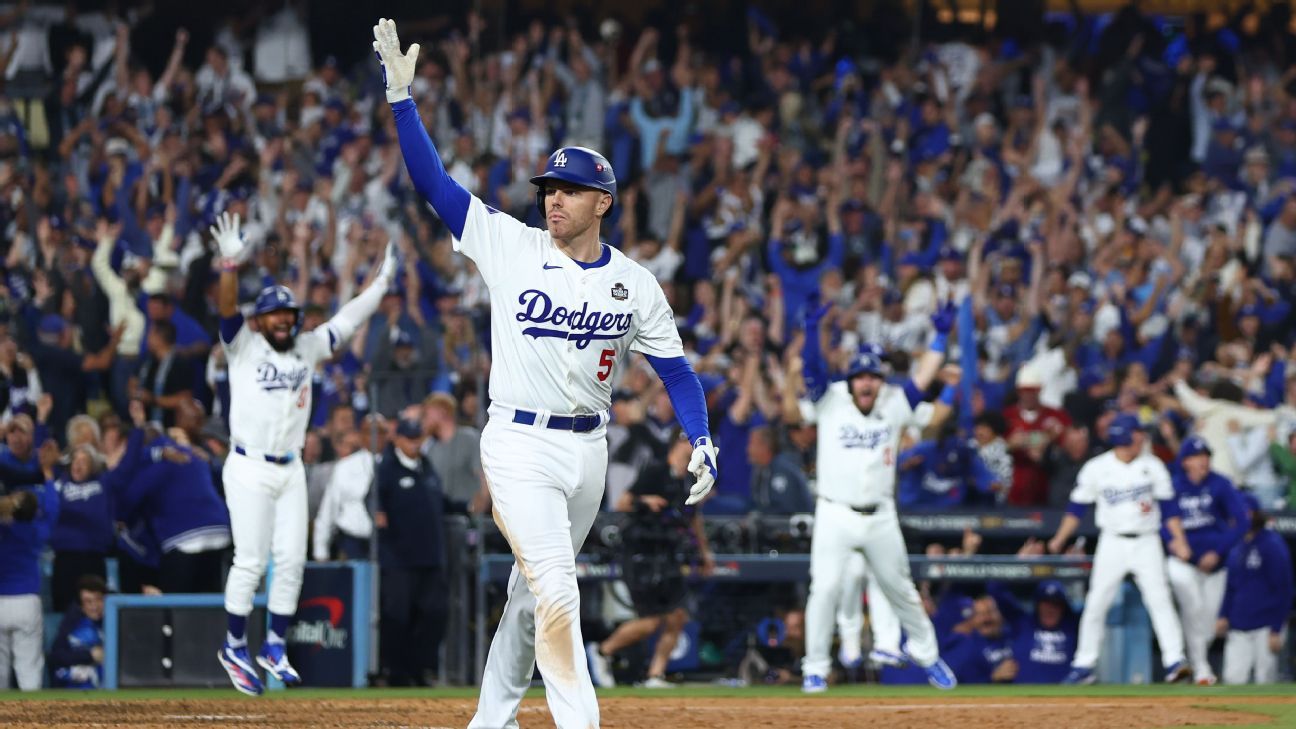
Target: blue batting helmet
<point>867,362</point>
<point>579,166</point>
<point>1121,430</point>
<point>277,298</point>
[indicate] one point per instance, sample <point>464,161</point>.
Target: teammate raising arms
<point>860,423</point>
<point>565,309</point>
<point>265,484</point>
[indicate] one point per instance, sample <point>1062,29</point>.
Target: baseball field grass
<point>1036,707</point>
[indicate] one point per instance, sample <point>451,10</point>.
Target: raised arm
<point>447,197</point>
<point>230,243</point>
<point>814,370</point>
<point>934,358</point>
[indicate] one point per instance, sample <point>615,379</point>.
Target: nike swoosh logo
<point>547,267</point>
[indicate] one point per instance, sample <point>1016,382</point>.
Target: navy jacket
<point>414,504</point>
<point>1259,591</point>
<point>85,522</point>
<point>177,500</point>
<point>21,544</point>
<point>69,656</point>
<point>1043,655</point>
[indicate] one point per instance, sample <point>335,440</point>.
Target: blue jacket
<point>1259,590</point>
<point>69,656</point>
<point>85,522</point>
<point>1214,517</point>
<point>1043,654</point>
<point>973,657</point>
<point>21,544</point>
<point>177,500</point>
<point>946,472</point>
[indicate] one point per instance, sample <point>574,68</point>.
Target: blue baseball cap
<point>891,296</point>
<point>403,339</point>
<point>1121,430</point>
<point>1248,498</point>
<point>911,259</point>
<point>1194,445</point>
<point>949,253</point>
<point>409,428</point>
<point>1051,590</point>
<point>866,363</point>
<point>1248,310</point>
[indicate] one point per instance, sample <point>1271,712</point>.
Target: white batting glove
<point>703,466</point>
<point>398,68</point>
<point>387,271</point>
<point>228,238</point>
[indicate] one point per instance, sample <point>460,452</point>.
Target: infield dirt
<point>657,712</point>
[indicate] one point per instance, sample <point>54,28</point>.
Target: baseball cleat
<point>274,659</point>
<point>656,682</point>
<point>236,663</point>
<point>814,685</point>
<point>940,676</point>
<point>848,662</point>
<point>1081,677</point>
<point>600,667</point>
<point>881,658</point>
<point>1207,681</point>
<point>1177,672</point>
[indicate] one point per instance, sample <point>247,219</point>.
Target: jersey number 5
<point>606,360</point>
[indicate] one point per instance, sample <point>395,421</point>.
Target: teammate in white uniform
<point>565,309</point>
<point>265,484</point>
<point>1134,499</point>
<point>860,424</point>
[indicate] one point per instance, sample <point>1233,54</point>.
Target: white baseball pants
<point>268,515</point>
<point>884,625</point>
<point>546,487</point>
<point>1247,651</point>
<point>838,531</point>
<point>1200,596</point>
<point>1117,556</point>
<point>22,641</point>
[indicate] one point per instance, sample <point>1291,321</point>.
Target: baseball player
<point>565,310</point>
<point>1256,601</point>
<point>1134,499</point>
<point>860,424</point>
<point>884,626</point>
<point>1214,519</point>
<point>265,484</point>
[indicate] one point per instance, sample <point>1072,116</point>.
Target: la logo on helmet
<point>560,159</point>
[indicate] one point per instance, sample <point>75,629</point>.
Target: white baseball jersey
<point>270,391</point>
<point>1125,494</point>
<point>856,457</point>
<point>557,328</point>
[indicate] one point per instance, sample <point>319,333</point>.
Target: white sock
<point>273,638</point>
<point>233,642</point>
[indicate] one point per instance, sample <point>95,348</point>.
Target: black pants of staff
<point>198,572</point>
<point>69,568</point>
<point>413,610</point>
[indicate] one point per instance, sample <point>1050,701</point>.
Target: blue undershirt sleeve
<point>229,327</point>
<point>686,394</point>
<point>448,198</point>
<point>1169,508</point>
<point>1077,510</point>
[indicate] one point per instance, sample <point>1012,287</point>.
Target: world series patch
<point>620,293</point>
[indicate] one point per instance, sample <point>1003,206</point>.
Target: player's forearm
<point>1070,522</point>
<point>686,394</point>
<point>1174,525</point>
<point>814,369</point>
<point>929,365</point>
<point>426,170</point>
<point>357,311</point>
<point>227,296</point>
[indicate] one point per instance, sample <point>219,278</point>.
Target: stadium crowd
<point>1113,209</point>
